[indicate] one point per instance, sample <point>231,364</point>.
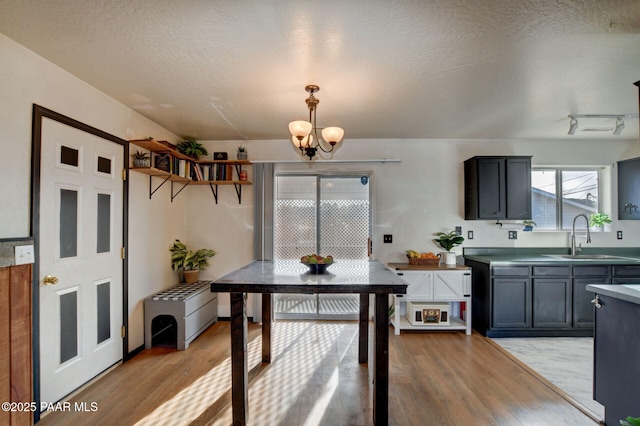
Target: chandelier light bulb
<point>333,135</point>
<point>300,128</point>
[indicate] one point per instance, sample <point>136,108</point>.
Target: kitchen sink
<point>589,257</point>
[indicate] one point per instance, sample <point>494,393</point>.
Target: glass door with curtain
<point>324,214</point>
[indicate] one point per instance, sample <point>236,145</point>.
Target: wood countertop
<point>440,267</point>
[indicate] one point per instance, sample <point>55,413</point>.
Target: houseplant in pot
<point>188,261</point>
<point>599,220</point>
<point>242,153</point>
<point>449,240</point>
<point>140,159</point>
<point>192,148</point>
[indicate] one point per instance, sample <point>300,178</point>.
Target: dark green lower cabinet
<point>582,306</point>
<point>511,303</point>
<point>552,302</point>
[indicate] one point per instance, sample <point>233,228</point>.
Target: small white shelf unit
<point>434,284</point>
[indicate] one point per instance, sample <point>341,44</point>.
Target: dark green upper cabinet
<point>497,188</point>
<point>629,189</point>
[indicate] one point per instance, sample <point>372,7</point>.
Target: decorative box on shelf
<point>431,313</point>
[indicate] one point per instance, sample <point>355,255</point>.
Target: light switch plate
<point>619,235</point>
<point>513,235</point>
<point>469,235</point>
<point>388,238</point>
<point>24,255</point>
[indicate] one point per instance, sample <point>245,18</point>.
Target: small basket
<point>423,261</point>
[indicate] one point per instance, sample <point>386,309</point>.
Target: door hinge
<point>124,174</point>
<point>123,331</point>
<point>123,253</point>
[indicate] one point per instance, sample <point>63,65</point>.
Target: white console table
<point>434,284</point>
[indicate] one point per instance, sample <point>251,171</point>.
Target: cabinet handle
<point>596,302</point>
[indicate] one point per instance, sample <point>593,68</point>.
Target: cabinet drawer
<point>510,270</point>
<point>197,300</point>
<point>591,270</point>
<point>545,271</point>
<point>626,271</point>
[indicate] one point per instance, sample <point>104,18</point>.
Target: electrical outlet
<point>513,235</point>
<point>469,235</point>
<point>459,230</point>
<point>619,235</point>
<point>388,238</point>
<point>24,255</point>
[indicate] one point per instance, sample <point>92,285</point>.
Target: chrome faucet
<point>573,233</point>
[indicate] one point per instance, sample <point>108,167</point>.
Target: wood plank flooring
<point>315,379</point>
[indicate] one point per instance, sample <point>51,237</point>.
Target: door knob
<point>50,280</point>
<point>596,302</point>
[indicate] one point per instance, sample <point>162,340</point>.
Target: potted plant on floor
<point>190,262</point>
<point>449,240</point>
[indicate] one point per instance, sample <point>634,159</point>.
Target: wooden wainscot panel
<point>15,340</point>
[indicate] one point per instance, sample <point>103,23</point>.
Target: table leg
<point>363,331</point>
<point>266,327</point>
<point>239,359</point>
<point>381,361</point>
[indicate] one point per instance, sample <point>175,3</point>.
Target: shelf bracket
<point>214,191</point>
<point>238,192</point>
<point>153,191</point>
<point>179,191</point>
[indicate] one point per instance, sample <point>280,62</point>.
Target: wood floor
<point>315,379</point>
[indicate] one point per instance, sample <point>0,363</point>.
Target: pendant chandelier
<point>304,134</point>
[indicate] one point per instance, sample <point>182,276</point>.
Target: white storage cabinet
<point>434,284</point>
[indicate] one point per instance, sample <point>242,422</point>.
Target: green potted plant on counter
<point>528,225</point>
<point>599,220</point>
<point>190,262</point>
<point>449,240</point>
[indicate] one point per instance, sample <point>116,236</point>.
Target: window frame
<point>600,170</point>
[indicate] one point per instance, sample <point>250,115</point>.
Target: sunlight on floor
<point>293,365</point>
<point>298,349</point>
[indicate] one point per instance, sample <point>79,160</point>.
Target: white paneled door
<point>81,232</point>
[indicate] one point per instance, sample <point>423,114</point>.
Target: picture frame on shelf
<point>220,156</point>
<point>162,162</point>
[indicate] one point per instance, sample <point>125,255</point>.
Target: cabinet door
<point>420,284</point>
<point>629,189</point>
<point>511,303</point>
<point>491,188</point>
<point>518,188</point>
<point>552,302</point>
<point>449,285</point>
<point>582,308</point>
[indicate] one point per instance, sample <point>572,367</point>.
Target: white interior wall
<point>25,79</point>
<point>415,198</point>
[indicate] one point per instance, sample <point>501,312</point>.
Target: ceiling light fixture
<point>617,130</point>
<point>303,132</point>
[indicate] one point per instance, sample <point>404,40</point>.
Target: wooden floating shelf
<point>159,147</point>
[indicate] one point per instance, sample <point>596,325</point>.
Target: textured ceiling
<point>455,69</point>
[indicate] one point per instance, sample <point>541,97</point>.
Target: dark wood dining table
<point>267,277</point>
